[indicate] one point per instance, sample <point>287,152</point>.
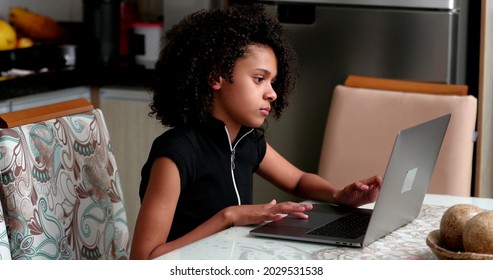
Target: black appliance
<point>101,20</point>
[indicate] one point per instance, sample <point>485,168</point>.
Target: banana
<point>8,36</point>
<point>24,42</point>
<point>33,25</point>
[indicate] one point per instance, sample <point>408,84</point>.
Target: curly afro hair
<point>207,44</point>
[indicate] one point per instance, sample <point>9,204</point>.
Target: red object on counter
<point>129,14</point>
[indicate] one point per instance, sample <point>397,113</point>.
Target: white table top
<point>408,242</point>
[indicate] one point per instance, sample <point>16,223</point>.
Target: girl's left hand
<point>359,193</point>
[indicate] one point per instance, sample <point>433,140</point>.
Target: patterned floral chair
<point>60,185</point>
<point>4,241</point>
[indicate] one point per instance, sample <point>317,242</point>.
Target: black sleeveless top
<point>213,173</point>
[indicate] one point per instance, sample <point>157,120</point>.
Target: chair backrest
<point>60,185</point>
<point>363,123</point>
<point>405,86</point>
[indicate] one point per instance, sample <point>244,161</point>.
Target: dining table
<point>407,242</point>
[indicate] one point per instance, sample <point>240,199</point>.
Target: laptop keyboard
<point>349,226</point>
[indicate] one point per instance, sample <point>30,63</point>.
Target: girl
<point>219,76</point>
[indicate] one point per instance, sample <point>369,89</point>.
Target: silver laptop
<point>404,186</point>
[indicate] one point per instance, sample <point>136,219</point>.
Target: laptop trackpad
<point>320,214</point>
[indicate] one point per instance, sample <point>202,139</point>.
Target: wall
<point>484,176</point>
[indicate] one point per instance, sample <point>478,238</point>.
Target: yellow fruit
<point>8,36</point>
<point>24,42</point>
<point>34,25</point>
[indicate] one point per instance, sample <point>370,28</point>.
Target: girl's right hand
<point>255,214</point>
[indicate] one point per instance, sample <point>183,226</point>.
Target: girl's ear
<point>215,82</point>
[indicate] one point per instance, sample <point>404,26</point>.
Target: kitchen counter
<point>131,76</point>
<point>88,70</point>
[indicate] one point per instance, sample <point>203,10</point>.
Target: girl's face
<point>247,100</point>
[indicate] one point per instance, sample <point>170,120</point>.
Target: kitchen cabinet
<point>46,98</point>
<point>4,107</point>
<point>132,132</point>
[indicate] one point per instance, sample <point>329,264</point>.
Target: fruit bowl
<point>32,58</point>
<point>433,241</point>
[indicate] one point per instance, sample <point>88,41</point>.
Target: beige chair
<point>60,185</point>
<point>362,125</point>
